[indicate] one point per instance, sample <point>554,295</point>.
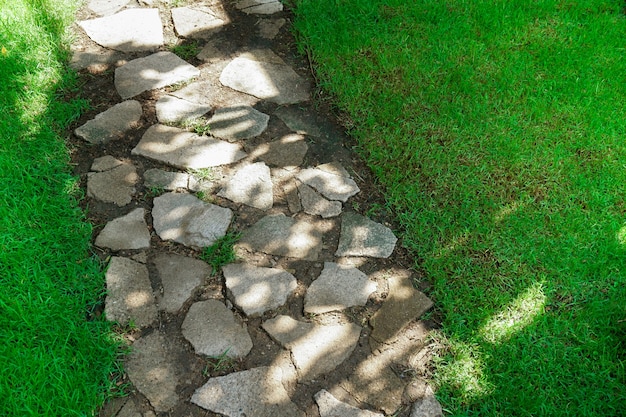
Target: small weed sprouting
<point>185,51</point>
<point>221,252</point>
<point>206,197</point>
<point>199,125</point>
<point>219,364</point>
<point>152,192</point>
<point>202,174</point>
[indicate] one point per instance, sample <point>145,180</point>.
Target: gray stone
<point>166,180</point>
<point>196,23</point>
<point>185,219</point>
<point>106,7</point>
<point>284,152</point>
<point>329,406</point>
<point>259,6</point>
<point>331,180</point>
<point>338,287</point>
<point>130,30</point>
<point>129,293</point>
<point>111,124</point>
<point>209,53</point>
<point>94,58</point>
<point>171,109</point>
<point>269,81</point>
<point>299,120</point>
<point>180,276</point>
<point>361,236</point>
<point>239,122</point>
<point>126,232</point>
<point>128,410</point>
<point>426,405</point>
<point>153,372</point>
<point>212,330</point>
<point>256,290</point>
<point>269,28</point>
<point>105,163</point>
<point>316,349</point>
<point>257,392</point>
<point>250,185</point>
<point>315,204</point>
<point>283,236</point>
<point>115,186</point>
<point>154,71</point>
<point>186,150</point>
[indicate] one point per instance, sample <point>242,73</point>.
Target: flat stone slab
<point>116,185</point>
<point>94,58</point>
<point>338,287</point>
<point>329,406</point>
<point>195,22</point>
<point>212,330</point>
<point>316,349</point>
<point>426,405</point>
<point>180,276</point>
<point>269,28</point>
<point>166,180</point>
<point>186,150</point>
<point>185,219</point>
<point>257,392</point>
<point>250,185</point>
<point>361,236</point>
<point>111,124</point>
<point>269,81</point>
<point>256,290</point>
<point>287,151</point>
<point>299,120</point>
<point>316,205</point>
<point>171,109</point>
<point>153,372</point>
<point>126,232</point>
<point>259,6</point>
<point>237,123</point>
<point>129,293</point>
<point>106,7</point>
<point>130,30</point>
<point>149,73</point>
<point>105,163</point>
<point>280,235</point>
<point>331,180</point>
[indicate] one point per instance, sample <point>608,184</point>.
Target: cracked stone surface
<point>106,7</point>
<point>171,109</point>
<point>166,180</point>
<point>259,6</point>
<point>250,185</point>
<point>361,236</point>
<point>426,404</point>
<point>313,203</point>
<point>111,124</point>
<point>180,276</point>
<point>116,185</point>
<point>237,123</point>
<point>331,180</point>
<point>126,232</point>
<point>287,151</point>
<point>329,406</point>
<point>196,23</point>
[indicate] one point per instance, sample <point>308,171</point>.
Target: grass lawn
<point>498,130</point>
<point>54,361</point>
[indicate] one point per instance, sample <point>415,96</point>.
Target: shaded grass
<point>497,130</point>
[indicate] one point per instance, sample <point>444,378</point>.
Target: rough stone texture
<point>154,71</point>
<point>329,406</point>
<point>153,372</point>
<point>128,410</point>
<point>284,152</point>
<point>126,232</point>
<point>256,290</point>
<point>316,349</point>
<point>105,163</point>
<point>426,405</point>
<point>182,149</point>
<point>250,185</point>
<point>361,236</point>
<point>180,276</point>
<point>315,204</point>
<point>331,180</point>
<point>259,6</point>
<point>209,53</point>
<point>299,120</point>
<point>283,236</point>
<point>269,28</point>
<point>338,287</point>
<point>196,23</point>
<point>130,30</point>
<point>185,219</point>
<point>111,124</point>
<point>238,122</point>
<point>166,180</point>
<point>286,187</point>
<point>212,330</point>
<point>106,7</point>
<point>94,58</point>
<point>115,186</point>
<point>270,81</point>
<point>213,92</point>
<point>129,293</point>
<point>171,109</point>
<point>257,392</point>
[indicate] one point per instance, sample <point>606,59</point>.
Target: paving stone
<point>238,122</point>
<point>257,392</point>
<point>259,6</point>
<point>105,163</point>
<point>316,205</point>
<point>338,287</point>
<point>188,220</point>
<point>115,186</point>
<point>154,71</point>
<point>111,124</point>
<point>426,405</point>
<point>171,109</point>
<point>166,180</point>
<point>212,330</point>
<point>269,81</point>
<point>180,276</point>
<point>211,91</point>
<point>152,370</point>
<point>329,406</point>
<point>316,349</point>
<point>299,120</point>
<point>94,58</point>
<point>126,232</point>
<point>284,152</point>
<point>250,185</point>
<point>280,235</point>
<point>186,150</point>
<point>106,7</point>
<point>198,23</point>
<point>361,236</point>
<point>331,180</point>
<point>130,30</point>
<point>209,52</point>
<point>256,290</point>
<point>269,28</point>
<point>129,293</point>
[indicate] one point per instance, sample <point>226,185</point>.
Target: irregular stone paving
<point>314,318</point>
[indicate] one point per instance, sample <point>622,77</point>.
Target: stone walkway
<point>311,320</point>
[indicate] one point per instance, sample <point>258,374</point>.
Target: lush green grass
<point>54,361</point>
<point>498,129</point>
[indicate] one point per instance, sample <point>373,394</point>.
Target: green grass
<point>497,129</point>
<point>54,361</point>
<point>221,252</point>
